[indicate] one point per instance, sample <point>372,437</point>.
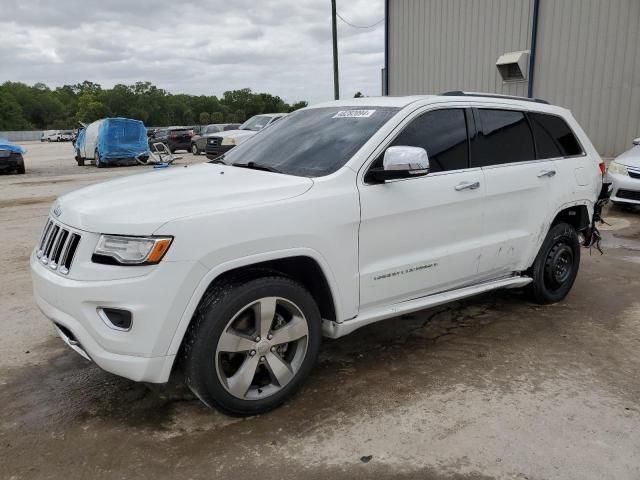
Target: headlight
<point>228,141</point>
<point>120,250</point>
<point>617,169</point>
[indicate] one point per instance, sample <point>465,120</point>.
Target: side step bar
<point>333,329</point>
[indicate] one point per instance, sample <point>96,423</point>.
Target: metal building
<point>581,54</point>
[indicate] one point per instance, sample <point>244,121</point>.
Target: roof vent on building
<point>513,66</point>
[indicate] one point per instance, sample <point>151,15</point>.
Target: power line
<point>359,26</point>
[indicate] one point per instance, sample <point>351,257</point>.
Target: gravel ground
<point>493,387</point>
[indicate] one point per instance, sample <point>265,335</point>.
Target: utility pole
<point>336,84</point>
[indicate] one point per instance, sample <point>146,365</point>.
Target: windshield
<point>256,123</point>
<point>311,143</point>
<point>212,129</point>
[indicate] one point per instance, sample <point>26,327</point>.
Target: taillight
<point>603,167</point>
<point>173,135</point>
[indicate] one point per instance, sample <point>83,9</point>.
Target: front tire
<point>556,266</point>
<point>194,149</point>
<point>252,344</point>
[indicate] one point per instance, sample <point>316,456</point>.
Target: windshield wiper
<point>257,166</point>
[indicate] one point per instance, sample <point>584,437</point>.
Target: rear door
<point>518,188</point>
<point>575,170</point>
<point>422,235</point>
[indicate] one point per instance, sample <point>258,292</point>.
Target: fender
<point>215,272</point>
<point>544,229</point>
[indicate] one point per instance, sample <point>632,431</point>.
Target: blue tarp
<point>80,139</point>
<point>121,138</point>
<point>7,145</point>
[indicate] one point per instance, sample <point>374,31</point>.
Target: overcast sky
<point>206,47</point>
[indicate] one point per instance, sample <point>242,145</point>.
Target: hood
<point>140,204</point>
<point>12,147</point>
<point>630,158</point>
<point>237,134</point>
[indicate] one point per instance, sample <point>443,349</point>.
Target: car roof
<point>449,97</point>
<point>388,101</point>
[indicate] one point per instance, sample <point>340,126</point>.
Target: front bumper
<point>626,189</point>
<point>11,162</point>
<point>139,354</point>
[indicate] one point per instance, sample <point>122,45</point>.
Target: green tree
<point>204,118</point>
<point>11,117</point>
<point>89,109</point>
<point>240,116</point>
<point>40,107</point>
<point>298,105</point>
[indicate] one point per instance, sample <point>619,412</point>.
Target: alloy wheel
<point>262,348</point>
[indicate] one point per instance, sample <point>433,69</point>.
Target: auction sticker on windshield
<point>353,114</point>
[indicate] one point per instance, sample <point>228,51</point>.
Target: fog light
<point>116,318</point>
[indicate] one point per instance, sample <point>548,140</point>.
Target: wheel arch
<point>306,266</point>
<point>577,215</point>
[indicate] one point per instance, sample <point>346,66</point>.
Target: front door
<point>421,235</point>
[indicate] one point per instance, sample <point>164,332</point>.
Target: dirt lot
<point>489,388</point>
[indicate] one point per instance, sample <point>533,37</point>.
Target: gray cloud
<point>198,47</point>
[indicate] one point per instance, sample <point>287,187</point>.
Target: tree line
<point>38,107</point>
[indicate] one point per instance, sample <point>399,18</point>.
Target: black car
<point>11,158</point>
<point>175,138</point>
<point>199,140</point>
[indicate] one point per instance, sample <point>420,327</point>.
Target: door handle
<point>467,186</point>
<point>546,173</point>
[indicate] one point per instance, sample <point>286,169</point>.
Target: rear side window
<point>443,134</point>
<point>505,137</point>
<point>553,136</point>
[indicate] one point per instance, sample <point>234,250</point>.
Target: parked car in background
<point>624,174</point>
<point>219,144</point>
<point>112,141</point>
<point>11,158</point>
<point>199,139</point>
<point>54,136</point>
<point>175,138</point>
<point>336,217</point>
<point>44,136</point>
<point>66,136</point>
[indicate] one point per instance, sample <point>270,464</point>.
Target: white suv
<point>337,216</point>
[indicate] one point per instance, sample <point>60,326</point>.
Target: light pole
<point>336,84</point>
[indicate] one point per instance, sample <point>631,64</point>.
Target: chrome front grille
<point>57,247</point>
<point>634,172</point>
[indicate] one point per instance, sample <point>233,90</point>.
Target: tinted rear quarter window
<point>554,138</point>
<point>505,137</point>
<point>443,134</point>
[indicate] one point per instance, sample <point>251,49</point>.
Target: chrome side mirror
<point>636,141</point>
<point>401,162</point>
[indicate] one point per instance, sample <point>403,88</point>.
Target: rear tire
<point>21,170</point>
<point>556,266</point>
<point>230,365</point>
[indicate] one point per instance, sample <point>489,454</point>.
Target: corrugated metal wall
<point>440,45</point>
<point>589,61</point>
<point>588,56</point>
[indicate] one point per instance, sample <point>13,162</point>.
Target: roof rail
<point>460,93</point>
